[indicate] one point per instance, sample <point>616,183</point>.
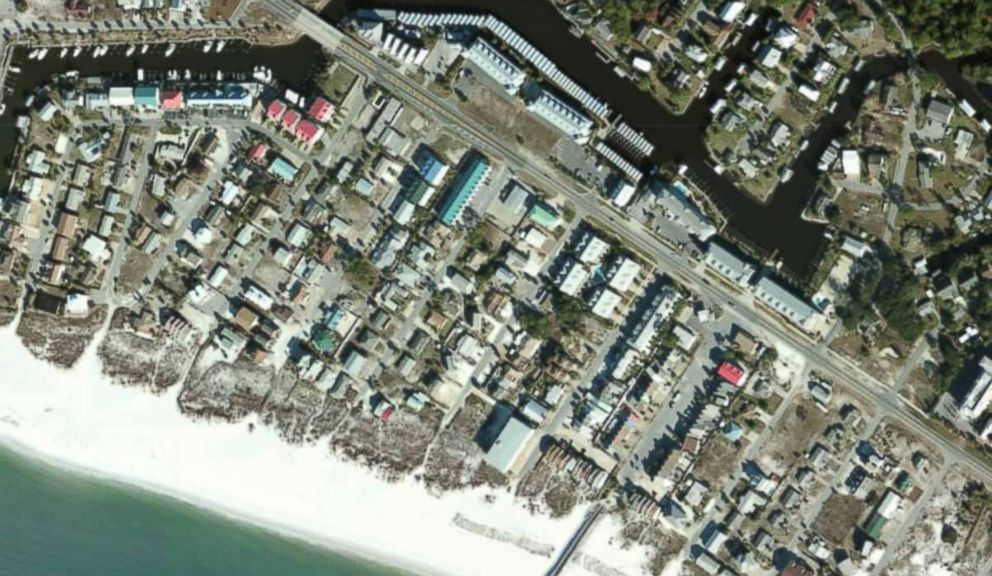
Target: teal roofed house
<point>146,96</point>
<point>544,215</point>
<point>463,188</point>
<point>283,169</point>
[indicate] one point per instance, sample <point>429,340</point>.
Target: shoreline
<point>22,450</point>
<point>78,421</point>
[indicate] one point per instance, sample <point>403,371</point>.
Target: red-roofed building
<point>308,131</point>
<point>289,120</point>
<point>172,100</point>
<point>275,110</point>
<point>258,152</point>
<point>806,15</point>
<point>731,373</point>
<point>321,110</point>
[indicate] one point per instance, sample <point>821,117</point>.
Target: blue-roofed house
<point>235,95</point>
<point>283,169</point>
<point>463,188</point>
<point>429,166</point>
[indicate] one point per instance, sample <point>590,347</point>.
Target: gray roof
<point>784,302</point>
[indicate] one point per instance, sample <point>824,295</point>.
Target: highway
<point>669,261</point>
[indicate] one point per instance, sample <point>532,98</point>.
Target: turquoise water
<point>53,523</point>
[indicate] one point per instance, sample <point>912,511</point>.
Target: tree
<point>534,322</point>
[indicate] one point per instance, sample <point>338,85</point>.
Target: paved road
<point>676,264</point>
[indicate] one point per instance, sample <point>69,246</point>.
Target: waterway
<point>56,523</point>
<point>766,228</point>
<point>294,65</point>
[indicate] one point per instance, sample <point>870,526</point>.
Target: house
<point>321,110</point>
<point>962,143</point>
<point>732,373</point>
<point>429,166</point>
<point>731,10</point>
<point>258,152</point>
<point>806,15</point>
<point>851,162</point>
<point>289,120</point>
<point>936,118</point>
<point>769,56</point>
<point>283,169</point>
<point>308,132</point>
<point>785,37</point>
<point>171,100</point>
<point>146,96</point>
<point>275,110</point>
<point>509,445</point>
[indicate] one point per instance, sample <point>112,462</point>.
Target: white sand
<point>79,420</point>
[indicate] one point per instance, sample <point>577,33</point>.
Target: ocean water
<point>54,523</point>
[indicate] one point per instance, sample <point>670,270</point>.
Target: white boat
<point>43,53</point>
<point>208,46</point>
<point>169,50</point>
<point>220,45</point>
<point>96,51</point>
<point>187,75</point>
<point>77,51</point>
<point>220,76</point>
<point>141,74</point>
<point>144,48</point>
<point>262,74</point>
<point>63,53</point>
<point>172,75</point>
<point>33,54</point>
<point>130,50</point>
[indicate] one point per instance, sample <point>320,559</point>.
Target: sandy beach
<point>79,420</point>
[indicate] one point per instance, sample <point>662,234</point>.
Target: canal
<point>294,65</point>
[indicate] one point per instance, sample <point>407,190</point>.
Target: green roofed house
<point>146,96</point>
<point>544,215</point>
<point>874,525</point>
<point>283,169</point>
<point>463,188</point>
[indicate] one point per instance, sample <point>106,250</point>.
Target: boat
<point>169,50</point>
<point>220,76</point>
<point>77,51</point>
<point>104,49</point>
<point>96,51</point>
<point>141,74</point>
<point>144,48</point>
<point>43,53</point>
<point>33,54</point>
<point>208,46</point>
<point>63,52</point>
<point>262,74</point>
<point>187,75</point>
<point>130,50</point>
<point>220,45</point>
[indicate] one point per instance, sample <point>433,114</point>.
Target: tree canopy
<point>957,26</point>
